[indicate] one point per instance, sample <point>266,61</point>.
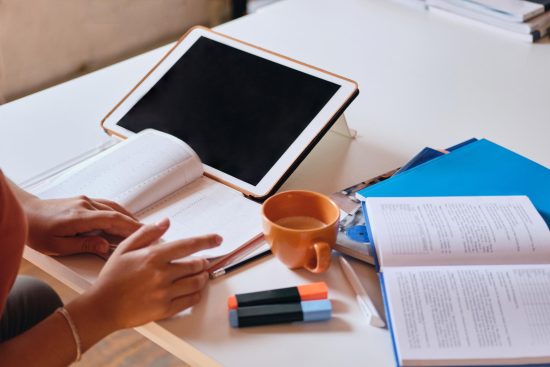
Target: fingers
<point>108,204</point>
<point>144,236</point>
<point>112,222</point>
<point>74,245</point>
<point>187,267</point>
<point>185,247</point>
<point>181,303</point>
<point>188,285</point>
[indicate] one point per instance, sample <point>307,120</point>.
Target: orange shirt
<point>13,234</point>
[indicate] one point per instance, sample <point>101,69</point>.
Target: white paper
<point>458,230</point>
<point>458,315</point>
<point>511,10</point>
<point>206,206</point>
<point>154,176</point>
<point>135,173</point>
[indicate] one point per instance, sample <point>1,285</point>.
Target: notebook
<point>465,280</point>
<point>539,24</point>
<point>479,168</point>
<point>510,10</point>
<point>155,175</point>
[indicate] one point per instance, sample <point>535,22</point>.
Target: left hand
<point>75,225</point>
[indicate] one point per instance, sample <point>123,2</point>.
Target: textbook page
<point>155,175</point>
<point>457,230</point>
<point>470,315</point>
<point>135,173</point>
<point>207,206</point>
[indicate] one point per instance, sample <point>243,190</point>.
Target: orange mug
<point>301,228</point>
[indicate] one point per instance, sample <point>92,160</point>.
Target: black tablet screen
<point>238,111</point>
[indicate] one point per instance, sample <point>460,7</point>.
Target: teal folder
<point>479,168</point>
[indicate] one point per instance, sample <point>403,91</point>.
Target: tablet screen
<point>238,111</point>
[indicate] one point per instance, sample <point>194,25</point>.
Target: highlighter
<point>306,311</point>
<point>307,292</point>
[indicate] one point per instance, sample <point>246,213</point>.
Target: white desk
<point>424,82</point>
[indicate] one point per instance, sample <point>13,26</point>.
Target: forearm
<point>51,342</point>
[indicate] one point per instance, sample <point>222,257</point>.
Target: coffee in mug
<point>301,228</point>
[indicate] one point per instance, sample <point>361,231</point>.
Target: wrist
<point>91,320</point>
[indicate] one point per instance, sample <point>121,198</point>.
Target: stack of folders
<point>462,249</point>
<point>471,168</point>
<point>352,238</point>
<point>527,20</point>
<point>479,168</point>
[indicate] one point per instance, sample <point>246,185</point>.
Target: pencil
<point>363,299</point>
<point>222,271</point>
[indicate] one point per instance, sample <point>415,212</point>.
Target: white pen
<point>365,303</point>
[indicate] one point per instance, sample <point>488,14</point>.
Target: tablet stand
<point>341,127</point>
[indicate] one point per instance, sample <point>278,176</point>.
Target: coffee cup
<point>301,227</point>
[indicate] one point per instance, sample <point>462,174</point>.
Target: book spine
<point>388,317</point>
<point>369,234</point>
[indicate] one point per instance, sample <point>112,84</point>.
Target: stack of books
<point>528,20</point>
<point>471,168</point>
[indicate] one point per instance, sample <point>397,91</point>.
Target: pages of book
<point>525,37</point>
<point>155,175</point>
<point>511,10</point>
<point>457,231</point>
<point>135,173</point>
<point>539,23</point>
<point>207,206</point>
<point>470,315</point>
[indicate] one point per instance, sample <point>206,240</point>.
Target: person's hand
<point>69,226</point>
<point>141,282</point>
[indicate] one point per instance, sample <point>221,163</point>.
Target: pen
<point>365,303</point>
<point>222,271</point>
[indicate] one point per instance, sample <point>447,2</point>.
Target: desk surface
<point>424,81</point>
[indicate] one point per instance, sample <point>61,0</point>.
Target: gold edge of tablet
<point>229,184</point>
<point>268,191</point>
<point>180,40</point>
<point>281,56</point>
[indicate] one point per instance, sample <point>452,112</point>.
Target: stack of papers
<point>527,20</point>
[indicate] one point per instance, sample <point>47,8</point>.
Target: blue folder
<point>479,168</point>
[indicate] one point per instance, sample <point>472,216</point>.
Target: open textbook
<point>155,175</point>
<point>466,280</point>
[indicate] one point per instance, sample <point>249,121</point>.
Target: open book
<point>155,175</point>
<point>466,280</point>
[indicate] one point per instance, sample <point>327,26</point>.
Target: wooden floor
<point>124,348</point>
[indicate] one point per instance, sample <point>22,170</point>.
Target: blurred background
<point>46,42</point>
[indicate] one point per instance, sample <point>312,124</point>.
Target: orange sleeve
<point>13,234</point>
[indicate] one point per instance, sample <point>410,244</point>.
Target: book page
<point>457,230</point>
<point>207,206</point>
<point>462,315</point>
<point>135,173</point>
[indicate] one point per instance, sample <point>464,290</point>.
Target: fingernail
<point>218,239</point>
<point>163,224</point>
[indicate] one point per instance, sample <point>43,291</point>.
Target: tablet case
<point>306,150</point>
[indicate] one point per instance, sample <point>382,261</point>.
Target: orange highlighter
<point>307,292</point>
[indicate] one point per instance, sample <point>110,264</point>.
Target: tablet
<point>250,114</point>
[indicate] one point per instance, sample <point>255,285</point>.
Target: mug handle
<point>323,253</point>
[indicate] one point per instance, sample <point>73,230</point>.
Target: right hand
<point>141,283</point>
